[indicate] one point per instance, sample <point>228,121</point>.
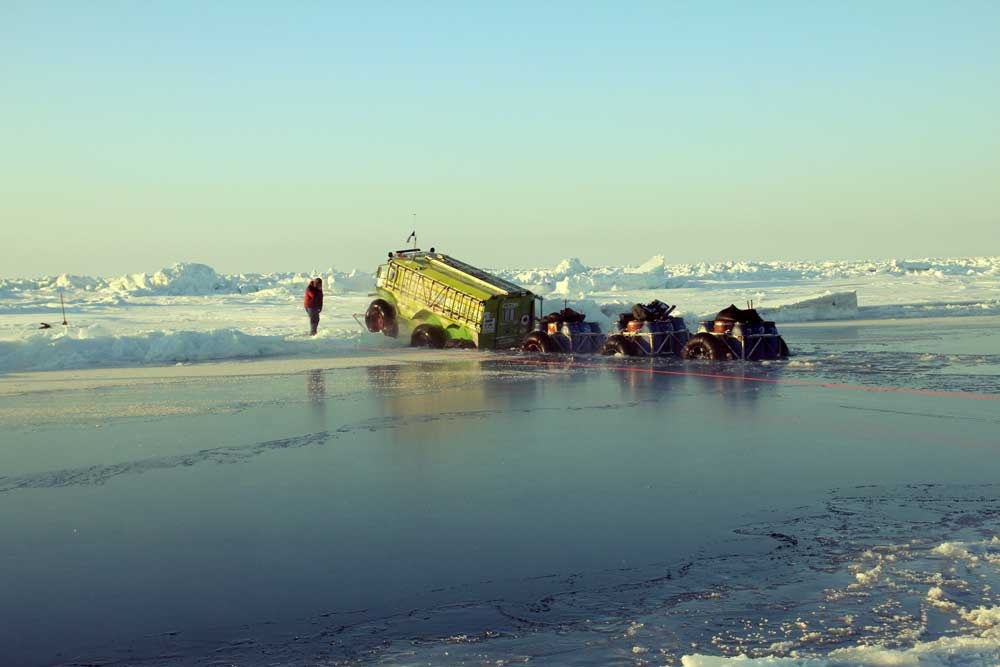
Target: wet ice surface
<point>475,509</point>
<point>953,354</point>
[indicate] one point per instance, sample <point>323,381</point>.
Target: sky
<point>257,136</point>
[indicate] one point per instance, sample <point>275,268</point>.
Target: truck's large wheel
<point>706,346</point>
<point>619,345</point>
<point>381,316</point>
<point>428,335</point>
<point>539,342</point>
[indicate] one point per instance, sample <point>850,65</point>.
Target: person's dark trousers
<point>313,320</point>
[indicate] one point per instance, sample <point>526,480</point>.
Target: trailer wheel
<point>381,316</point>
<point>705,346</point>
<point>539,342</point>
<point>619,345</point>
<point>428,335</point>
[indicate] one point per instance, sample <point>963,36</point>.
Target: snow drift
<point>839,306</point>
<point>95,345</point>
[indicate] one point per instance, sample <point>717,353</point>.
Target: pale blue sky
<point>298,135</point>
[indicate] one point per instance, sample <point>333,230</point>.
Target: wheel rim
<point>375,321</point>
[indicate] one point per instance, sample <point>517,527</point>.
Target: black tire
<point>706,346</point>
<point>782,348</point>
<point>539,342</point>
<point>428,335</point>
<point>465,344</point>
<point>619,345</point>
<point>381,316</point>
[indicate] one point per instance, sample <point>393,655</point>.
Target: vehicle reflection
<point>316,393</point>
<point>434,401</point>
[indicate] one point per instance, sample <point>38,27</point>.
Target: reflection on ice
<point>316,386</point>
<point>477,509</point>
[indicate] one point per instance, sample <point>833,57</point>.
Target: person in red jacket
<point>314,303</point>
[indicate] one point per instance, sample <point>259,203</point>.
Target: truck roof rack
<point>478,274</point>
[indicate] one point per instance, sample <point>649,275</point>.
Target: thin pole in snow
<point>62,303</point>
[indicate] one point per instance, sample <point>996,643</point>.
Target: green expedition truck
<point>440,301</point>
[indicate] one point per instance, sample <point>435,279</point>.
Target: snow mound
<point>188,279</point>
<point>96,346</point>
<point>344,283</point>
<point>655,264</point>
<point>570,266</point>
<point>572,278</point>
<point>572,275</point>
<point>830,306</point>
<point>66,281</point>
<point>180,279</point>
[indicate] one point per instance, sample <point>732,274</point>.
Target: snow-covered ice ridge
<point>190,312</point>
<point>188,279</point>
<point>571,276</point>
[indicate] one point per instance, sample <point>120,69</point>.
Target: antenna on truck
<point>412,237</point>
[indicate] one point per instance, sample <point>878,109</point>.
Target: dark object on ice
<point>564,315</point>
<point>654,311</point>
<point>733,314</point>
<point>45,325</point>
